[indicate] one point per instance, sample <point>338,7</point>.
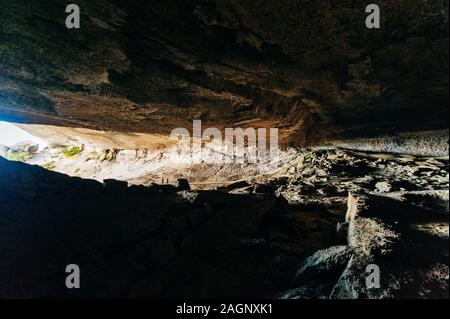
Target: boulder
<point>233,186</point>
<point>27,146</point>
<point>371,236</point>
<point>326,262</point>
<point>352,283</point>
<point>183,185</point>
<point>387,233</point>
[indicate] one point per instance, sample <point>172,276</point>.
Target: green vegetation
<point>49,166</point>
<point>19,156</point>
<point>20,152</point>
<point>68,152</point>
<point>308,156</point>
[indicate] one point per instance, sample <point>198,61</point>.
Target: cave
<point>224,149</point>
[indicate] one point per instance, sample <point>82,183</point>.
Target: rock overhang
<point>312,68</point>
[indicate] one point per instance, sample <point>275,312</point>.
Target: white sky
<point>11,135</point>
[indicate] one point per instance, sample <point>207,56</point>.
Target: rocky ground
<point>396,218</point>
<point>306,228</point>
<point>307,231</point>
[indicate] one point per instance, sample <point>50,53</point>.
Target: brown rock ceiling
<point>310,67</point>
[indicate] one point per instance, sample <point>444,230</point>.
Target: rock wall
<point>434,143</point>
<point>311,67</point>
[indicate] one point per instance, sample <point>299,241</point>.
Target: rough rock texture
<point>403,230</point>
<point>308,231</point>
<point>311,67</point>
<point>432,143</point>
<point>327,261</point>
<point>145,242</point>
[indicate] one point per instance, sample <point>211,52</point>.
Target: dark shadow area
<point>145,242</point>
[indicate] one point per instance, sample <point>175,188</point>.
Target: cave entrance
<point>17,144</point>
<point>135,158</point>
<point>11,134</point>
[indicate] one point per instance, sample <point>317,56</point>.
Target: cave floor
<point>309,230</point>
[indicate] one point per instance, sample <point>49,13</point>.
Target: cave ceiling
<point>311,68</point>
